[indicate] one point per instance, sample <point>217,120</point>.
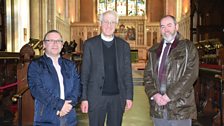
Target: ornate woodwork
<point>207,19</point>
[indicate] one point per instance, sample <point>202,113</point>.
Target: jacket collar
<point>49,60</point>
<point>174,44</point>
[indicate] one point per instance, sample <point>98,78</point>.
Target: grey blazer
<point>92,70</point>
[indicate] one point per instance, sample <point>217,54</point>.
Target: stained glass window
<point>141,7</point>
<point>101,6</point>
<point>111,5</point>
<point>131,7</point>
<point>123,7</point>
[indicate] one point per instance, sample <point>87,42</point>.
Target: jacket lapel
<point>99,54</point>
<point>117,52</point>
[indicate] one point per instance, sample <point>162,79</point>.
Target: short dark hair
<point>174,19</point>
<point>52,31</point>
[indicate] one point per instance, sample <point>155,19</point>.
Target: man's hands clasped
<point>161,100</point>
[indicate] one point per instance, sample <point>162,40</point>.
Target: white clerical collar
<point>106,38</point>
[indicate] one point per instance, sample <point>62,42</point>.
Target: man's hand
<point>67,107</point>
<point>84,106</point>
<point>128,105</point>
<point>165,97</point>
<point>161,100</point>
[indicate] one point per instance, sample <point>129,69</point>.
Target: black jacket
<point>92,70</point>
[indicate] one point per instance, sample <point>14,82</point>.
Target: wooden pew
<point>209,91</point>
<point>8,86</point>
<point>218,120</point>
<point>23,95</point>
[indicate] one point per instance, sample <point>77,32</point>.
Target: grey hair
<point>114,13</point>
<point>172,17</point>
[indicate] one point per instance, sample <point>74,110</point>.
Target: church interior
<point>23,24</point>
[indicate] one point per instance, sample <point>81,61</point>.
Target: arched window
<point>123,7</point>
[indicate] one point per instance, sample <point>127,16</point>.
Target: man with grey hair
<point>170,73</point>
<point>106,75</point>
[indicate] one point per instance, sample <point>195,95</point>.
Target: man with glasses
<point>106,75</point>
<point>54,84</point>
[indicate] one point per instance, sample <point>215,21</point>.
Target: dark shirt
<point>110,86</point>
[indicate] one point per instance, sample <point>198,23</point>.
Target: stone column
<point>51,14</point>
<point>35,19</point>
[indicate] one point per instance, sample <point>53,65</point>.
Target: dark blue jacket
<point>44,86</point>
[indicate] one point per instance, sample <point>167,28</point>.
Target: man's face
<point>108,25</point>
<point>53,44</point>
<point>168,28</point>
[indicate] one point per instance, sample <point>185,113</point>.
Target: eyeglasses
<point>53,41</point>
<point>109,22</point>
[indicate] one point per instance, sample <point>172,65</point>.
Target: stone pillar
<point>66,9</point>
<point>35,19</point>
<point>156,10</point>
<point>86,11</point>
<point>49,12</point>
<point>9,26</point>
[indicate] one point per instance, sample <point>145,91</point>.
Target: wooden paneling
<point>2,26</point>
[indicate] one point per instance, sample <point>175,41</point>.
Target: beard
<point>170,36</point>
